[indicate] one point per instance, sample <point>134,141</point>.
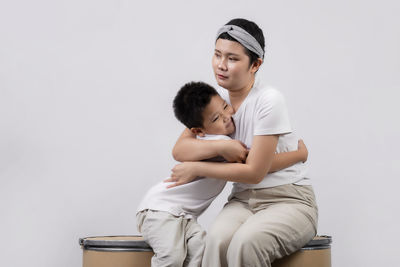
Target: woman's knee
<point>219,236</point>
<point>253,245</point>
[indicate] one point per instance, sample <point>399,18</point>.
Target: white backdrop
<point>86,124</point>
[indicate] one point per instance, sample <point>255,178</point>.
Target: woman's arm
<point>286,159</point>
<point>189,148</point>
<point>257,165</point>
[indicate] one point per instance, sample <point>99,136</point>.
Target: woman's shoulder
<point>269,94</point>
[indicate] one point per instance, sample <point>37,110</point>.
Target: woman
<point>267,216</point>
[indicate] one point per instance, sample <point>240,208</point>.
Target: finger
<point>170,185</point>
<point>242,159</point>
<point>170,179</point>
<point>173,185</point>
<point>300,145</point>
<point>167,180</point>
<point>176,166</point>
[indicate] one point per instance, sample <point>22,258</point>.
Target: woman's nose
<point>222,64</point>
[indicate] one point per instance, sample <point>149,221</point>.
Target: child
<point>167,217</point>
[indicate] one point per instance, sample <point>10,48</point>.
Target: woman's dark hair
<point>251,28</point>
<point>190,102</point>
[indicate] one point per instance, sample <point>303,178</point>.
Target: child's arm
<point>188,148</point>
<point>286,159</point>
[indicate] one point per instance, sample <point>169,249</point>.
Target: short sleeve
<point>271,114</point>
<point>214,137</point>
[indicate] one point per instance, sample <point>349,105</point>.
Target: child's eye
<point>215,119</point>
<point>232,59</point>
<point>226,105</point>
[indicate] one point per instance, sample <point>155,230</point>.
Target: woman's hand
<point>301,147</point>
<point>182,173</point>
<point>233,151</point>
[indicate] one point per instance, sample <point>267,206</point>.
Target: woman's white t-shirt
<point>264,112</point>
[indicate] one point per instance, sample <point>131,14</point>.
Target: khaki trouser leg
<point>282,219</point>
<point>171,238</point>
<point>232,216</point>
<point>196,239</point>
<point>268,235</point>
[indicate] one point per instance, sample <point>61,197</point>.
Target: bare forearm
<point>188,148</point>
<point>253,171</point>
<point>284,160</point>
<point>194,149</point>
<point>234,172</point>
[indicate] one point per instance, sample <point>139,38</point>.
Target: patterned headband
<point>244,38</point>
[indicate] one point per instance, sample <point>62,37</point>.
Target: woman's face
<point>231,65</point>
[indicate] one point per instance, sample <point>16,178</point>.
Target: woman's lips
<point>222,77</point>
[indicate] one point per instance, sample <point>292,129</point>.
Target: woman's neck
<point>238,96</point>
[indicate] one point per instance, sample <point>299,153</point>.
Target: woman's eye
<point>232,59</point>
<point>216,55</point>
<point>215,119</point>
<point>225,106</point>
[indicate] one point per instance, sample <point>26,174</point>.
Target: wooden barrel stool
<point>132,251</point>
<point>317,253</point>
<point>115,251</point>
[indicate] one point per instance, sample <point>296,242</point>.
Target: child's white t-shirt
<point>264,112</point>
<point>189,200</point>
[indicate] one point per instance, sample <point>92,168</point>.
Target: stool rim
<point>319,240</point>
<point>89,243</point>
<point>121,245</point>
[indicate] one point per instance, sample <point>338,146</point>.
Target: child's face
<point>217,117</point>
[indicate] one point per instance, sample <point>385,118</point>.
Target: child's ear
<point>197,131</point>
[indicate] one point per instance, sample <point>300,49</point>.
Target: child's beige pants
<point>258,226</point>
<point>176,241</point>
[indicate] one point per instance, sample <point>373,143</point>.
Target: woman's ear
<point>256,65</point>
<point>197,131</point>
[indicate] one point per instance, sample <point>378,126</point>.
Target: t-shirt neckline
<point>240,109</point>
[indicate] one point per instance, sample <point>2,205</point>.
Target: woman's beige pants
<point>257,226</point>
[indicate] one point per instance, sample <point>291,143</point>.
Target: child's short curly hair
<point>190,102</point>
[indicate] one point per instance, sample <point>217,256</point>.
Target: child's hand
<point>182,173</point>
<point>301,147</point>
<point>233,151</point>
